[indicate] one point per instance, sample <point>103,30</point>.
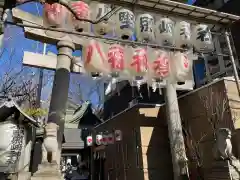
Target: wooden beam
<point>41,35</point>
<point>48,62</point>
<point>20,16</point>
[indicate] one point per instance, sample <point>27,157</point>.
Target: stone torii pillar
<point>62,63</point>
<point>56,117</point>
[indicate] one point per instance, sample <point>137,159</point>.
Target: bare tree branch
<point>83,95</point>
<point>216,105</point>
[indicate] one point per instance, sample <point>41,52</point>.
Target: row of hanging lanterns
<point>127,62</point>
<point>105,138</point>
<point>124,24</point>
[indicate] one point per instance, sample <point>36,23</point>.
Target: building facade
<point>144,151</point>
<point>145,134</point>
<point>203,112</point>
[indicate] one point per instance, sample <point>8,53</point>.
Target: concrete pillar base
<point>47,171</point>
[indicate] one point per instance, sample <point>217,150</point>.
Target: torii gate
<point>33,27</point>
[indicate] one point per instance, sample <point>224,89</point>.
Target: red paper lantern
<point>55,15</point>
<point>82,11</point>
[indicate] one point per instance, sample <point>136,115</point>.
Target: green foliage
<point>36,112</point>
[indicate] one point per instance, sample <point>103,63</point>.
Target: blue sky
<point>190,2</point>
<point>15,43</point>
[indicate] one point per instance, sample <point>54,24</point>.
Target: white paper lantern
<point>95,58</point>
<point>98,10</point>
<point>125,23</point>
<point>164,29</point>
<point>99,139</point>
<point>159,64</point>
<point>138,63</point>
<point>116,57</point>
<point>89,140</point>
<point>83,11</point>
<point>118,135</point>
<point>183,34</point>
<point>104,139</point>
<point>202,38</point>
<point>110,138</point>
<point>145,27</point>
<point>182,66</point>
<point>69,160</point>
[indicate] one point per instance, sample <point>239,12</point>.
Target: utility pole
<point>40,80</point>
<point>38,105</point>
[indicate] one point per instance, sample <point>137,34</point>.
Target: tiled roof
<point>79,113</point>
<point>9,107</point>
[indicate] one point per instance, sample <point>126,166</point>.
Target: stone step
<point>47,172</point>
<point>225,170</point>
<point>47,178</point>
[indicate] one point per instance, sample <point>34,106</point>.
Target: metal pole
<point>219,51</point>
<point>208,74</point>
<point>235,72</point>
<point>40,80</point>
<point>57,109</point>
<point>175,131</point>
<point>92,175</point>
<point>33,161</point>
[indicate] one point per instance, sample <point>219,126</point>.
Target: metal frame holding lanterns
<point>176,9</point>
<point>37,30</point>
